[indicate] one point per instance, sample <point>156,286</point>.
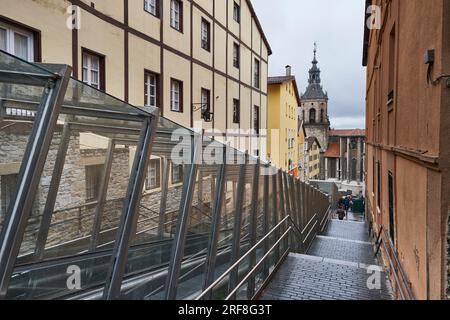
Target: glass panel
<point>10,63</point>
<point>101,135</point>
<point>79,207</point>
<point>85,190</point>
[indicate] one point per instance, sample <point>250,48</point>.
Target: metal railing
<point>247,198</point>
<point>288,227</point>
<point>402,282</point>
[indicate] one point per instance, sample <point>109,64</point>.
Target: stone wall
<point>320,132</point>
<point>73,217</point>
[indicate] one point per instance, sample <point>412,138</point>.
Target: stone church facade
<point>314,111</point>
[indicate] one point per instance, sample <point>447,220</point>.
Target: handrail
<point>399,268</point>
<point>263,259</point>
<point>238,262</point>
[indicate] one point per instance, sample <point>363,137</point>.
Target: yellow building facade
<point>177,55</point>
<point>313,158</point>
<point>282,121</point>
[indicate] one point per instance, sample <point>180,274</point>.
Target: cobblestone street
<point>336,268</point>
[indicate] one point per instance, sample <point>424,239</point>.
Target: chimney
<point>288,70</point>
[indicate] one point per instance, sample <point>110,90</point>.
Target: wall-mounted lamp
<point>207,115</point>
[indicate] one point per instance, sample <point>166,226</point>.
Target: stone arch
<point>312,115</point>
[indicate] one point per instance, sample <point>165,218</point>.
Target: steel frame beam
<point>253,226</point>
<point>30,174</point>
<point>52,193</point>
<point>129,218</point>
<point>163,202</point>
<point>282,203</point>
<point>275,213</point>
<point>215,225</point>
<point>103,191</point>
<point>236,242</point>
<point>266,222</point>
<point>183,216</point>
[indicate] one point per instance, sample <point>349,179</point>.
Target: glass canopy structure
<point>104,200</point>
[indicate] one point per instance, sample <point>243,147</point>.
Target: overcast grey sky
<point>292,27</point>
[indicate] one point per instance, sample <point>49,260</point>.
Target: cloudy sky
<point>292,27</point>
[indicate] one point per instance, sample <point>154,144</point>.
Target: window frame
<point>157,8</point>
<point>180,169</point>
<point>101,66</point>
<point>257,74</point>
<point>256,119</point>
<point>148,73</point>
<point>180,95</point>
<point>205,43</point>
<point>157,163</point>
<point>33,39</point>
<point>236,12</point>
<point>312,120</point>
<point>236,111</point>
<point>207,92</point>
<point>180,15</point>
<point>236,55</point>
<point>94,180</point>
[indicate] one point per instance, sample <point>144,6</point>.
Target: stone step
<point>315,278</point>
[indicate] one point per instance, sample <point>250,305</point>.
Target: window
<point>152,6</point>
<point>379,184</point>
<point>8,185</point>
<point>391,90</point>
<point>237,13</point>
<point>150,89</point>
<point>236,111</point>
<point>177,173</point>
<point>257,74</point>
<point>176,15</point>
<point>312,116</point>
<point>93,70</point>
<point>153,175</point>
<point>206,27</point>
<point>17,42</point>
<point>206,103</point>
<point>256,119</point>
<point>236,55</point>
<point>391,207</point>
<point>93,178</point>
<point>322,118</point>
<point>176,95</point>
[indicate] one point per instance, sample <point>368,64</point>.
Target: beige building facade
<point>201,62</point>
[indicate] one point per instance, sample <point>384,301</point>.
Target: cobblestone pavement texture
<point>336,268</point>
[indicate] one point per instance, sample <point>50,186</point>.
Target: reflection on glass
<point>78,207</point>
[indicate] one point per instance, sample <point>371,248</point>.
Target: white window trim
<point>175,17</point>
<point>236,55</point>
<point>10,30</point>
<point>175,89</point>
<point>87,57</point>
<point>148,86</point>
<point>205,35</point>
<point>205,96</point>
<point>150,6</point>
